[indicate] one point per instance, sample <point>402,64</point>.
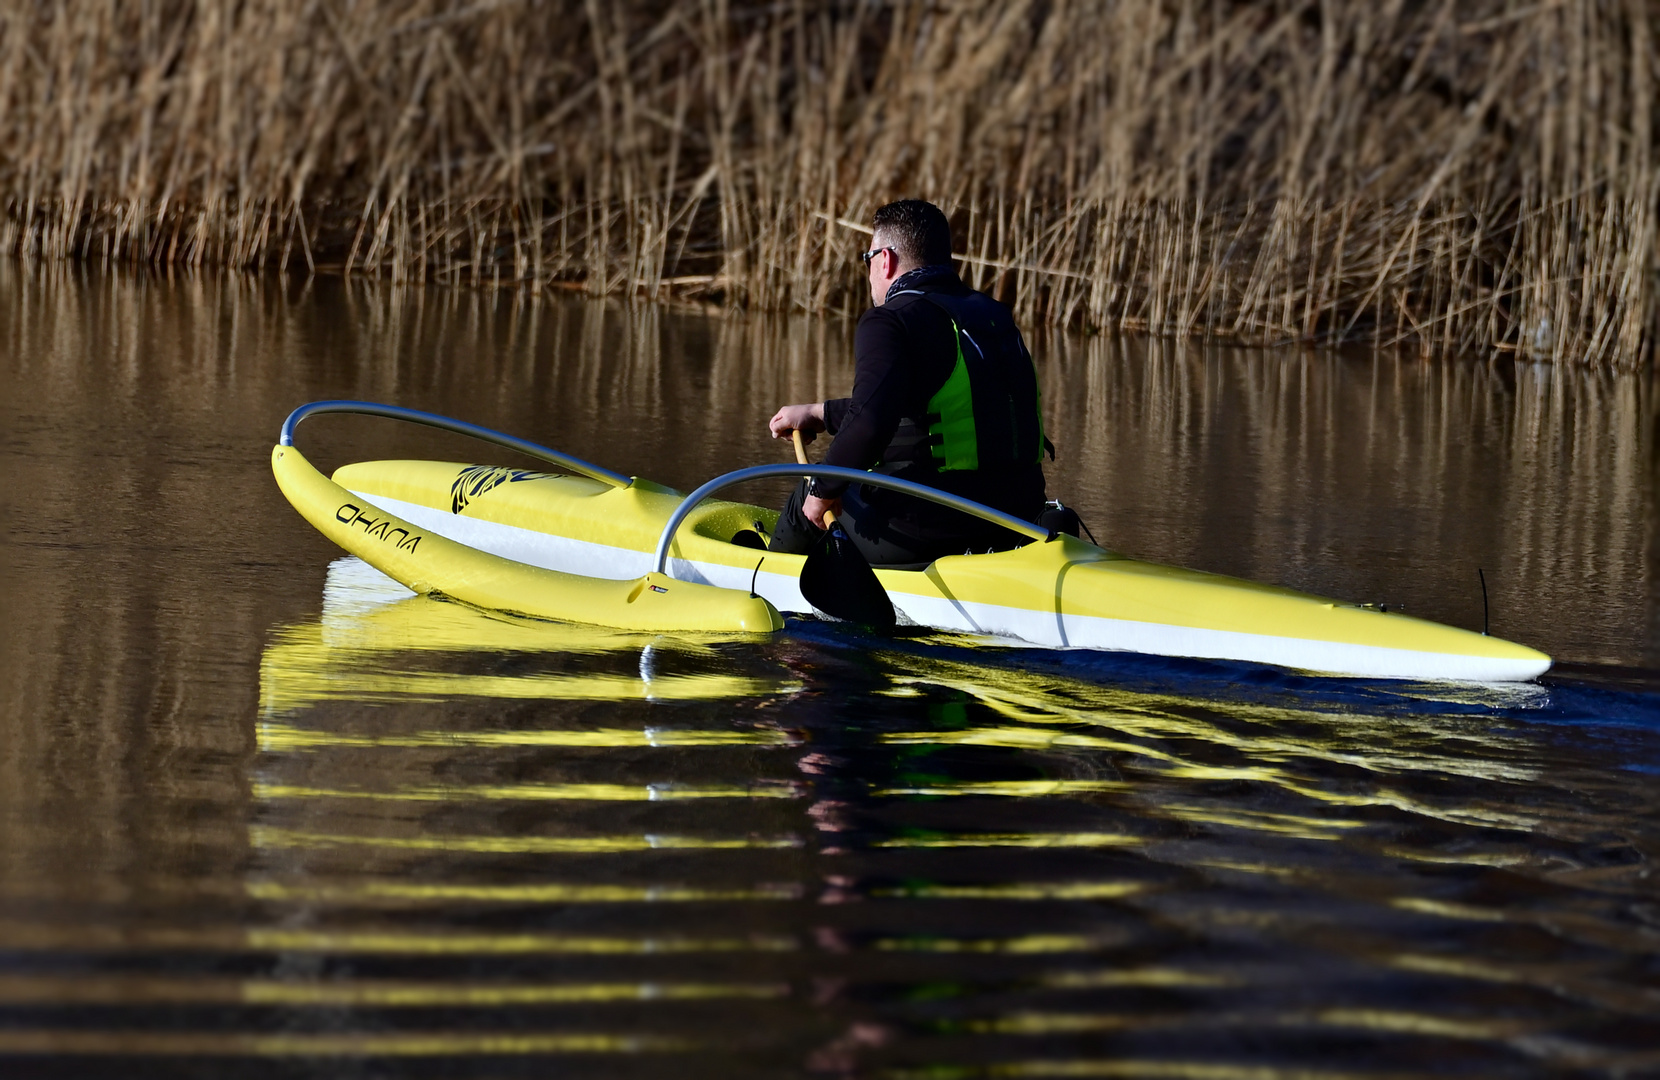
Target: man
<point>944,393</point>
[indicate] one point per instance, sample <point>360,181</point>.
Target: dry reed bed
<point>1453,177</point>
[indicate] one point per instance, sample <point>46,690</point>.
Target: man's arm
<point>863,424</point>
<point>807,419</point>
<point>835,413</point>
<point>866,423</point>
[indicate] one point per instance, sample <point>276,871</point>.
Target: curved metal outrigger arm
<point>460,427</point>
<point>835,472</point>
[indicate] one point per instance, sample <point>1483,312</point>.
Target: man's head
<point>908,234</point>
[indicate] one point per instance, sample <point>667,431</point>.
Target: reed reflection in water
<point>265,814</point>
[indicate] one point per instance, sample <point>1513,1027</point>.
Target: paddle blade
<point>838,581</point>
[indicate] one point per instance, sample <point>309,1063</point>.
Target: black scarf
<point>920,278</point>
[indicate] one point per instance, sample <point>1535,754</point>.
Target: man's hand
<point>813,508</point>
<point>807,419</point>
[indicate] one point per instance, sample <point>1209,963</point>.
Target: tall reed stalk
<point>1448,177</point>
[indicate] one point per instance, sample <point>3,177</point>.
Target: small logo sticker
<point>476,480</point>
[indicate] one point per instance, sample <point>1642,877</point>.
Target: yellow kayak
<point>598,548</point>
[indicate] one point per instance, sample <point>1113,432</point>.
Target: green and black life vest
<point>989,413</point>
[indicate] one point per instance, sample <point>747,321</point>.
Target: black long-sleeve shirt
<point>904,351</point>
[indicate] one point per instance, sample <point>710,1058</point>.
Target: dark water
<point>261,816</point>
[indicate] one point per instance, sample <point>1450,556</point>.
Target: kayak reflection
<point>378,642</point>
<point>948,849</point>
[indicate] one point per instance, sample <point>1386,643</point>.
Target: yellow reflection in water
<point>343,1044</point>
<point>1492,858</point>
<point>1027,943</point>
<point>1024,840</point>
<point>1465,968</point>
<point>1022,738</point>
<point>1294,750</point>
<point>1019,789</point>
<point>532,792</point>
<point>1395,1023</point>
<point>1243,866</point>
<point>279,738</point>
<point>30,937</point>
<point>1270,737</point>
<point>1407,1023</point>
<point>265,836</point>
<point>360,648</point>
<point>401,892</point>
<point>1584,981</point>
<point>1034,1023</point>
<point>120,989</point>
<point>1174,977</point>
<point>1449,910</point>
<point>414,995</point>
<point>459,1043</point>
<point>440,943</point>
<point>1016,890</point>
<point>1306,828</point>
<point>294,676</point>
<point>1131,1067</point>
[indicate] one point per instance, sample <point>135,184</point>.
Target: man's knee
<point>794,534</point>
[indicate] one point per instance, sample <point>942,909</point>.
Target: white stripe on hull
<point>1162,639</point>
<point>1046,628</point>
<point>586,557</point>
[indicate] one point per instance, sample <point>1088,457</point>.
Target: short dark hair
<point>917,231</point>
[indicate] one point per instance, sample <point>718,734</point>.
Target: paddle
<point>838,580</point>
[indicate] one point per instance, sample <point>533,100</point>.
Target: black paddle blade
<point>838,581</point>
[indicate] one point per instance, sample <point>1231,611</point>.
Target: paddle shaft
<point>801,459</point>
<point>836,578</point>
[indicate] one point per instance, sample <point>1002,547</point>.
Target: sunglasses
<point>871,254</point>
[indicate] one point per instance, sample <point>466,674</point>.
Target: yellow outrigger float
<point>597,547</point>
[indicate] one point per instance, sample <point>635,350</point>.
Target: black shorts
<point>891,529</point>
